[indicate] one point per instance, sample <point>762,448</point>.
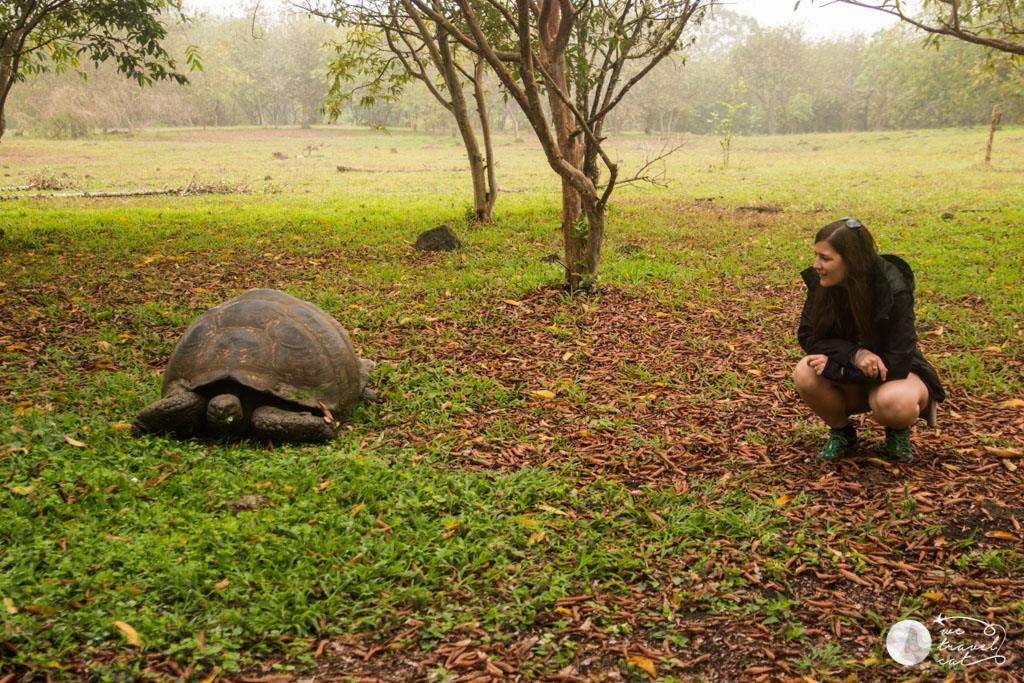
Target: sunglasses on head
<point>852,223</point>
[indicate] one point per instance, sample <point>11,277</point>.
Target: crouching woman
<point>857,328</point>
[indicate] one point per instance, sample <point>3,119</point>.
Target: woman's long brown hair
<point>845,310</point>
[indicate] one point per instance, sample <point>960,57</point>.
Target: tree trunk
<point>515,121</point>
<point>12,45</point>
<point>259,109</point>
<point>997,117</point>
<point>485,124</point>
<point>576,239</point>
<point>483,200</point>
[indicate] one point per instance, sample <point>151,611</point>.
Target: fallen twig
<point>190,189</point>
<point>127,193</point>
<point>359,169</point>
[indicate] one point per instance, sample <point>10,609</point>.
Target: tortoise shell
<point>269,341</point>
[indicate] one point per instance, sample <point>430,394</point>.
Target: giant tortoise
<point>263,365</point>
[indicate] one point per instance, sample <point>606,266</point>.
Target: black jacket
<point>892,294</point>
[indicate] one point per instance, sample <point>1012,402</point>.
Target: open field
<point>661,516</point>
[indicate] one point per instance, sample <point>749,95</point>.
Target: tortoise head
<point>225,412</point>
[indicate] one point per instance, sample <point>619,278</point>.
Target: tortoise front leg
<point>183,414</point>
<point>274,424</point>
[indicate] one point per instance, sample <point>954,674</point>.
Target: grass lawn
<point>620,486</point>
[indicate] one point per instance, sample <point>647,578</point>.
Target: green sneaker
<point>897,443</point>
<point>837,443</point>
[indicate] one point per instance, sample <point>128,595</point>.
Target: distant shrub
<point>63,125</point>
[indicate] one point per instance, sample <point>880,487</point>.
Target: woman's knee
<point>804,376</point>
<point>895,406</point>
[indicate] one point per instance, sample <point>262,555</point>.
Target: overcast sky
<point>819,20</point>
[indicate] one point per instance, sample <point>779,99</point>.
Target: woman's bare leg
<point>898,403</point>
<point>831,401</point>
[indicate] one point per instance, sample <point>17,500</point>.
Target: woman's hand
<point>817,361</point>
<point>870,364</point>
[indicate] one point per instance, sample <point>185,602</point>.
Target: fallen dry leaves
<point>656,411</point>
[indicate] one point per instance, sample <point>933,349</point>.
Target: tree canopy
<point>995,24</point>
<point>39,35</point>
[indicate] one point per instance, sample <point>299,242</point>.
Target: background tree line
<point>272,71</point>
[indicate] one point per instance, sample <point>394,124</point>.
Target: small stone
<point>441,238</point>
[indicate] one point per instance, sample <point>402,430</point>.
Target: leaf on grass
<point>755,372</point>
<point>357,508</point>
<point>510,302</point>
<point>18,430</point>
<point>221,585</point>
<point>17,347</point>
<point>75,442</point>
<point>552,510</point>
<point>213,675</point>
<point>121,425</point>
<point>993,349</point>
<point>40,609</point>
<point>322,486</point>
<point>544,394</point>
<point>1004,535</point>
<point>130,634</point>
<point>527,521</point>
<point>644,663</point>
<point>1012,403</point>
<point>9,606</point>
<point>567,356</point>
<point>662,315</point>
<point>933,596</point>
<point>22,490</point>
<point>536,537</point>
<point>782,500</point>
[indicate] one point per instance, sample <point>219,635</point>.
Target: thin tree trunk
<point>485,123</point>
<point>259,109</point>
<point>482,201</point>
<point>515,121</point>
<point>997,117</point>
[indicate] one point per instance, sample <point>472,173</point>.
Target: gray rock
<point>441,238</point>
